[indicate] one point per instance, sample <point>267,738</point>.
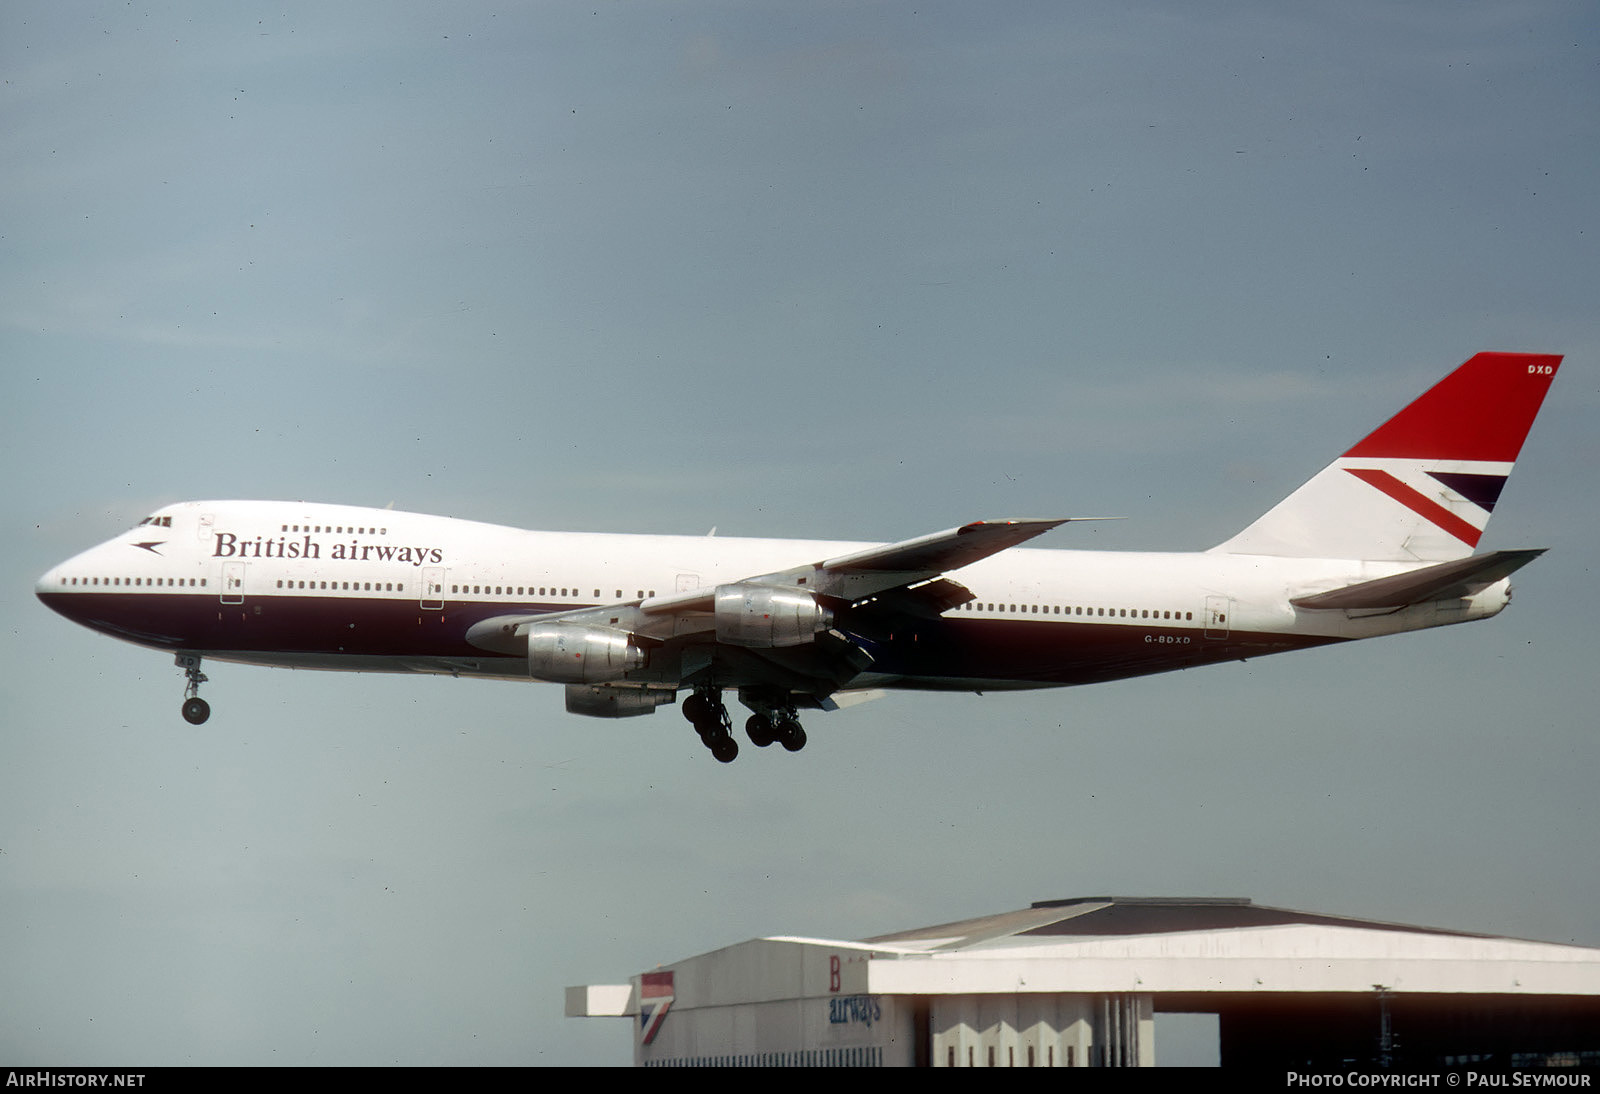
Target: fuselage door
<point>1218,608</point>
<point>233,583</point>
<point>433,588</point>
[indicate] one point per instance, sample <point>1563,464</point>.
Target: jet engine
<point>764,616</point>
<point>572,653</point>
<point>604,701</point>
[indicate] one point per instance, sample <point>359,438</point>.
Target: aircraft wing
<point>780,627</point>
<point>941,551</point>
<point>879,569</point>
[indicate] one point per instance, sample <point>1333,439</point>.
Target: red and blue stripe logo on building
<point>655,998</point>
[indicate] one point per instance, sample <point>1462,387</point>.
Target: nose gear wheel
<point>195,709</point>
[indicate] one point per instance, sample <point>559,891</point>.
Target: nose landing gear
<point>195,709</point>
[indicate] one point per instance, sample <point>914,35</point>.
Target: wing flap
<point>928,600</point>
<point>1445,581</point>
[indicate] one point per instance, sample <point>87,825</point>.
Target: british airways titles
<point>229,545</point>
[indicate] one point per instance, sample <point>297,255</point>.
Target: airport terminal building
<point>1078,982</point>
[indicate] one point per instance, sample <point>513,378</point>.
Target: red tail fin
<point>1421,486</point>
<point>1481,411</point>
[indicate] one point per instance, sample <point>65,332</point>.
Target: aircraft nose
<point>52,585</point>
<point>51,588</point>
<point>49,582</point>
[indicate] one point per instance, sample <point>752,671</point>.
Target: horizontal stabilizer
<point>1447,581</point>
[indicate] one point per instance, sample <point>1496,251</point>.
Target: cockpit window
<point>157,522</point>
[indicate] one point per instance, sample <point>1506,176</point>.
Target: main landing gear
<point>783,726</point>
<point>195,709</point>
<point>710,719</point>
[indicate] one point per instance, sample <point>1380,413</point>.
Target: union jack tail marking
<point>1421,486</point>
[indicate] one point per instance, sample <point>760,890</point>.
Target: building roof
<point>1213,944</point>
<point>1096,916</point>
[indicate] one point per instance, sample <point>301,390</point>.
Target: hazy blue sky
<point>845,270</point>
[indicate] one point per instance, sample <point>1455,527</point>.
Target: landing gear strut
<point>195,709</point>
<point>710,719</point>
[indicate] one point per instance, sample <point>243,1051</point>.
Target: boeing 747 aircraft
<point>1380,541</point>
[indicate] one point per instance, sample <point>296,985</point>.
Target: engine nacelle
<point>570,653</point>
<point>604,701</point>
<point>764,616</point>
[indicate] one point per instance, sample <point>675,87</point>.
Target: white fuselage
<point>340,587</point>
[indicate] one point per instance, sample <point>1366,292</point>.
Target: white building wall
<point>1060,1030</point>
<point>845,1031</point>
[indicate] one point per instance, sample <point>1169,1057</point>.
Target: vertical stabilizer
<point>1421,486</point>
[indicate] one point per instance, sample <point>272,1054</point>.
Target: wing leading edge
<point>880,569</point>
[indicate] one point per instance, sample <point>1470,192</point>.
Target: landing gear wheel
<point>196,710</point>
<point>760,729</point>
<point>697,708</point>
<point>792,734</point>
<point>705,711</point>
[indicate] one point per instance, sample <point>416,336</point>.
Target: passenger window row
<point>1079,610</point>
<point>530,590</point>
<point>1075,610</point>
<point>164,582</point>
<point>338,530</point>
